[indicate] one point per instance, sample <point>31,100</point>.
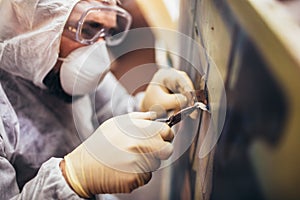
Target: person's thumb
<point>165,152</point>
<point>151,115</point>
<point>174,101</point>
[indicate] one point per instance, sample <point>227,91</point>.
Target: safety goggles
<point>102,21</point>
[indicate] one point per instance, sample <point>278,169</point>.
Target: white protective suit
<point>37,129</point>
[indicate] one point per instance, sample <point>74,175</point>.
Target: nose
<point>106,18</point>
<point>110,19</point>
<point>100,39</point>
<point>109,2</point>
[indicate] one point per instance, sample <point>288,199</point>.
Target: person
<point>53,56</point>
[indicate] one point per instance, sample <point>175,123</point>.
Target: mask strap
<point>105,72</point>
<point>61,59</point>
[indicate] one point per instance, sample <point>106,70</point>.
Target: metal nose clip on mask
<point>84,68</point>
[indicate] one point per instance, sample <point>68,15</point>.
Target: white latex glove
<point>119,156</point>
<point>165,91</point>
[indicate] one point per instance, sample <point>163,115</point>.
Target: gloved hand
<point>119,156</point>
<point>165,91</point>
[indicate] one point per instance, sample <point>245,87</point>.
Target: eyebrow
<point>109,2</point>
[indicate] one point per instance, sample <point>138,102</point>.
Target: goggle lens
<point>90,28</point>
<point>108,23</point>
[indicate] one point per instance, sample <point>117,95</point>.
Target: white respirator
<point>84,68</point>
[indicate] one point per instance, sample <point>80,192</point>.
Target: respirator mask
<point>84,68</point>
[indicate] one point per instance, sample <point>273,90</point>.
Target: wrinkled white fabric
<point>83,69</point>
<point>25,145</point>
<point>30,36</point>
<point>39,126</point>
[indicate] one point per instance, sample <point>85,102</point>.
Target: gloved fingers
<point>136,180</point>
<point>143,115</point>
<point>133,148</point>
<point>148,163</point>
<point>159,100</point>
<point>160,145</point>
<point>173,101</point>
<point>125,182</point>
<point>140,180</point>
<point>149,129</point>
<point>174,80</point>
<point>154,148</point>
<point>184,82</point>
<point>130,129</point>
<point>146,177</point>
<point>153,155</point>
<point>165,152</point>
<point>167,91</point>
<point>166,132</point>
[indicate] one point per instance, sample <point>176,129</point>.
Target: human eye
<point>90,29</point>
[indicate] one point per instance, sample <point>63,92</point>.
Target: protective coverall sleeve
<point>8,184</point>
<point>112,99</point>
<point>47,184</point>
